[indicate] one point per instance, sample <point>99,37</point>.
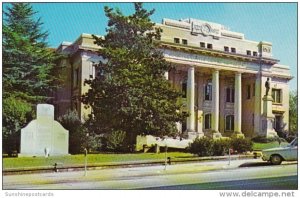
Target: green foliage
<point>116,141</point>
<point>16,113</point>
<point>293,114</point>
<point>28,64</point>
<point>28,68</point>
<point>94,142</point>
<point>202,146</point>
<point>263,139</point>
<point>241,145</point>
<point>130,93</point>
<point>221,147</point>
<point>77,131</point>
<point>206,146</point>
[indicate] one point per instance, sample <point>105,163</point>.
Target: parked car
<point>279,154</point>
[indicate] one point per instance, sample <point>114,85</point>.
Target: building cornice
<point>217,53</point>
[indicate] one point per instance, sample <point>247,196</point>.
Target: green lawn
<point>104,159</point>
<point>261,146</point>
<point>93,159</point>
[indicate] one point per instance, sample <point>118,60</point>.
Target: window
<point>229,123</point>
<point>226,49</point>
<point>184,42</point>
<point>254,53</point>
<point>248,52</point>
<point>233,50</point>
<point>276,95</point>
<point>202,44</point>
<point>76,77</point>
<point>207,121</point>
<point>248,91</point>
<point>184,88</point>
<point>229,94</point>
<point>176,40</point>
<point>209,46</point>
<point>92,71</point>
<point>208,91</point>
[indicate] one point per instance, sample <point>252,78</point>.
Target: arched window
<point>229,123</point>
<point>207,121</point>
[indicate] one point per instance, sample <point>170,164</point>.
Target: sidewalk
<point>141,177</point>
<point>128,164</point>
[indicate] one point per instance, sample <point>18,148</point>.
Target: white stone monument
<point>44,136</point>
<point>268,117</point>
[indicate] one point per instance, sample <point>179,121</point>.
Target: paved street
<point>274,183</point>
<point>182,176</point>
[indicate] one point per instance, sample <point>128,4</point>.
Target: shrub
<point>221,147</point>
<point>116,141</point>
<point>241,145</point>
<point>16,113</point>
<point>77,132</point>
<point>202,146</point>
<point>207,147</point>
<point>263,139</point>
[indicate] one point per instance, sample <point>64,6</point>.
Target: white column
<point>258,105</point>
<point>238,103</point>
<point>215,102</point>
<point>200,109</point>
<point>191,99</point>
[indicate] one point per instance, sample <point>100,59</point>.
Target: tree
<point>77,131</point>
<point>28,67</point>
<point>28,63</point>
<point>15,114</point>
<point>130,93</point>
<point>293,113</point>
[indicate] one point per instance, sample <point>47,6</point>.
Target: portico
<point>203,102</point>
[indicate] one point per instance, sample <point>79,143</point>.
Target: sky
<point>272,22</point>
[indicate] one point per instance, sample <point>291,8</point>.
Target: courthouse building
<point>222,76</point>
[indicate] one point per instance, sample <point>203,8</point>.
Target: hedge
<point>205,146</point>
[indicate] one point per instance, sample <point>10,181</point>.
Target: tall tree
<point>131,93</point>
<point>293,113</point>
<point>28,66</point>
<point>28,63</point>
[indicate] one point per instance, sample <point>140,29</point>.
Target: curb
<point>49,169</point>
